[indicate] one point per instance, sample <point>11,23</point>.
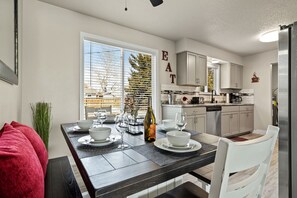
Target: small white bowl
<point>168,124</point>
<point>85,124</point>
<point>100,133</point>
<point>178,138</point>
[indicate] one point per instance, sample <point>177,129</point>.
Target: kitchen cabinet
<point>196,116</point>
<point>191,69</point>
<point>246,119</point>
<point>230,120</point>
<point>231,76</point>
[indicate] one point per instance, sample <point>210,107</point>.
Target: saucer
<point>88,140</point>
<point>164,144</point>
<point>186,147</point>
<point>77,129</point>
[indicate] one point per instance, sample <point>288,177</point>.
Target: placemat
<point>89,151</point>
<point>163,158</point>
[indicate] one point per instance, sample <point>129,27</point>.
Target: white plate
<point>87,140</point>
<point>162,127</point>
<point>77,129</point>
<point>164,144</point>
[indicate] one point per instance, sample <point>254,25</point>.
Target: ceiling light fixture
<point>126,8</point>
<point>156,2</point>
<point>270,36</point>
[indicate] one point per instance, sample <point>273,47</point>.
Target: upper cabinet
<point>231,76</point>
<point>191,69</point>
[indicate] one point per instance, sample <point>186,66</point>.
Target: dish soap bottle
<point>149,123</point>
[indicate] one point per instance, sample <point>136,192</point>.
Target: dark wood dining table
<point>111,172</point>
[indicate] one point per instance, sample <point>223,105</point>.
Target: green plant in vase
<point>41,112</point>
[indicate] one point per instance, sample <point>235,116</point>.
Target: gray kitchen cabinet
<point>231,76</point>
<point>230,120</point>
<point>196,116</point>
<point>246,118</point>
<point>196,123</point>
<point>200,123</point>
<point>191,69</point>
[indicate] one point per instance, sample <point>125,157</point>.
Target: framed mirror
<point>9,41</point>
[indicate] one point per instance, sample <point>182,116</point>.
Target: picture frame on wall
<point>9,41</point>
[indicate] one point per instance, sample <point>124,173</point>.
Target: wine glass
<point>122,126</point>
<point>181,120</point>
<point>102,116</point>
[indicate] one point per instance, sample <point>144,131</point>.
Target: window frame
<point>121,44</point>
<point>216,77</point>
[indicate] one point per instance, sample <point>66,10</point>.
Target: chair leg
<point>204,185</point>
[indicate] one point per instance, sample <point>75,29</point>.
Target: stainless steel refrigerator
<point>287,112</point>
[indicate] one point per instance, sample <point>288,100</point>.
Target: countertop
<point>206,105</point>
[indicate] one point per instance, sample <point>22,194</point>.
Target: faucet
<point>213,92</point>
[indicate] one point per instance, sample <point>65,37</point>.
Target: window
<point>213,73</point>
<point>110,73</point>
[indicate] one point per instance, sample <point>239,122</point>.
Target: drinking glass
<point>180,120</point>
<point>121,123</point>
<point>102,116</point>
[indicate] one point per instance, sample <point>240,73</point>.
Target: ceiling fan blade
<point>156,2</point>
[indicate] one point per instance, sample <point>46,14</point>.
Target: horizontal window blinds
<point>111,72</point>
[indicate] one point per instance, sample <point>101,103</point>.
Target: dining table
<point>108,171</point>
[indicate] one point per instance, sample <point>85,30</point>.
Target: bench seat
<point>60,181</point>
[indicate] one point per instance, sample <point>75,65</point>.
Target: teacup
<point>100,133</point>
<point>178,138</point>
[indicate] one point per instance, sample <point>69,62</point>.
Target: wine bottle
<point>149,123</point>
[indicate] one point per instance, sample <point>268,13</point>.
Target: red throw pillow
<point>36,142</point>
<point>21,174</point>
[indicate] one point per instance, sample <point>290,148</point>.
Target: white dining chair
<point>232,157</point>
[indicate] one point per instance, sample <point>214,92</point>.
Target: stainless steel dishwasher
<point>213,120</point>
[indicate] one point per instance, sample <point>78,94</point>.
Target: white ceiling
<point>232,25</point>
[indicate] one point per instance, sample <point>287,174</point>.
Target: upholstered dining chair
<point>234,157</point>
<point>90,111</point>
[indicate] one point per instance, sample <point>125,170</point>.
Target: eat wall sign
<point>168,67</point>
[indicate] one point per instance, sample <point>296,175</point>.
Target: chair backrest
<point>90,111</point>
<point>232,157</point>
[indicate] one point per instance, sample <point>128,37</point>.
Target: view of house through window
<point>112,73</point>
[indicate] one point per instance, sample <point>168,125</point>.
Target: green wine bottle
<point>149,123</point>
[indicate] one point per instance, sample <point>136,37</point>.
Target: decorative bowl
<point>178,138</point>
<point>85,124</point>
<point>100,133</point>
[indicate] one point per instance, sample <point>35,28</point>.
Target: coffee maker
<point>235,98</point>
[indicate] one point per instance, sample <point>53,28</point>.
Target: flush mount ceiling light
<point>270,36</point>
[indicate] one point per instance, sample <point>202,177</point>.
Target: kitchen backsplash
<point>189,92</point>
